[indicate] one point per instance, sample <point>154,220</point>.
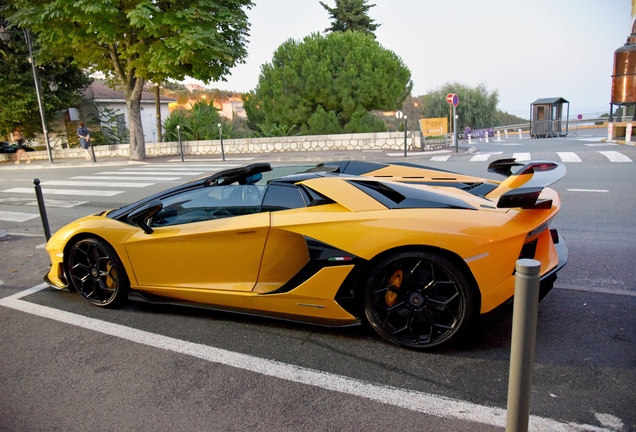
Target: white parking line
<point>569,157</point>
<point>430,404</point>
<point>9,216</point>
<point>65,192</point>
<point>588,190</point>
<point>615,156</point>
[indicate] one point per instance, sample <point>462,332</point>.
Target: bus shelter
<point>548,118</point>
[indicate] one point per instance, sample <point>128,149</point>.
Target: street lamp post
<point>5,36</point>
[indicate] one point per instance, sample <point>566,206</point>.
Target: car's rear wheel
<point>95,271</point>
<point>418,299</point>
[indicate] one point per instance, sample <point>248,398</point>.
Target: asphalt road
<point>66,365</point>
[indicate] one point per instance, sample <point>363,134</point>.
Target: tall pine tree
<point>351,15</point>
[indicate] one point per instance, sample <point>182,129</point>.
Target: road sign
<point>579,117</point>
<point>399,114</point>
<point>452,99</point>
<point>433,126</point>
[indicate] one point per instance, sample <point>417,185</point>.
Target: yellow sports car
<point>419,252</point>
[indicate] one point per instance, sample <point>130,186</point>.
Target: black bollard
<point>45,219</point>
<point>93,152</point>
<point>221,138</point>
<point>180,143</point>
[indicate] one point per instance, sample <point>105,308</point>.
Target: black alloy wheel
<point>95,271</point>
<point>419,300</point>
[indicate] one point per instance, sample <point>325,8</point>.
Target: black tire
<point>96,272</point>
<point>419,299</point>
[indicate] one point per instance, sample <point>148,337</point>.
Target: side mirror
<point>143,213</point>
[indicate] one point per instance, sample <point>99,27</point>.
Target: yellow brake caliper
<point>395,281</point>
<point>110,282</point>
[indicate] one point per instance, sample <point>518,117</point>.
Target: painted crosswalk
<point>125,177</point>
<point>615,156</point>
<point>566,157</point>
<point>569,157</point>
<point>9,216</point>
<point>74,192</point>
<point>15,201</point>
<point>100,184</point>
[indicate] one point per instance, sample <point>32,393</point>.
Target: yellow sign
<point>434,126</point>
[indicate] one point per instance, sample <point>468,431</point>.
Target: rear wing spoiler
<point>523,187</point>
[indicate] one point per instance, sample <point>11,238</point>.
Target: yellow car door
<point>209,238</point>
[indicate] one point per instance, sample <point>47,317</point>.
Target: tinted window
<point>282,197</point>
<point>209,203</point>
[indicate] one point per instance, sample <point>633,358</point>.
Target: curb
<point>622,142</point>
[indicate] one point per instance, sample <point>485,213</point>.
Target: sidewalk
<point>236,159</point>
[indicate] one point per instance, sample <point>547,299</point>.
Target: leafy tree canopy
<point>133,41</point>
<point>349,15</point>
<point>328,84</point>
<point>477,106</point>
<point>19,105</point>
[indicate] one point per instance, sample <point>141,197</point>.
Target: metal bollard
<point>180,144</point>
<point>524,334</point>
<point>520,134</point>
<point>498,135</point>
<point>628,132</point>
<point>469,142</point>
<point>405,131</point>
<point>506,133</point>
<point>93,152</point>
<point>43,217</point>
<point>610,131</point>
<point>221,138</point>
<point>486,136</point>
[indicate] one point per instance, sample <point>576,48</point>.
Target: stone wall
<point>362,142</point>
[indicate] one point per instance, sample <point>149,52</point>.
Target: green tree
<point>199,123</point>
<point>477,106</point>
<point>351,15</point>
<point>339,76</point>
<point>133,41</point>
<point>19,105</point>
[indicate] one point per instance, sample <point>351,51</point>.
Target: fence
<point>308,143</point>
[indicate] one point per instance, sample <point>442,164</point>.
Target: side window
<point>282,197</point>
<point>209,203</point>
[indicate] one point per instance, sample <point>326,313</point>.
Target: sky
<point>524,50</point>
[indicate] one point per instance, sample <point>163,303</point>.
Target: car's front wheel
<point>419,299</point>
<point>95,271</point>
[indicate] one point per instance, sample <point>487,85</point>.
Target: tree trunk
<point>133,104</point>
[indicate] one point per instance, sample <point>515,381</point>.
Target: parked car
<point>418,252</point>
<point>7,147</point>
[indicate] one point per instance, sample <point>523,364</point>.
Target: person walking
<point>84,137</point>
<point>18,138</point>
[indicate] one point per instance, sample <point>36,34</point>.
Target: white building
<point>233,107</point>
<point>98,94</point>
<point>193,87</point>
